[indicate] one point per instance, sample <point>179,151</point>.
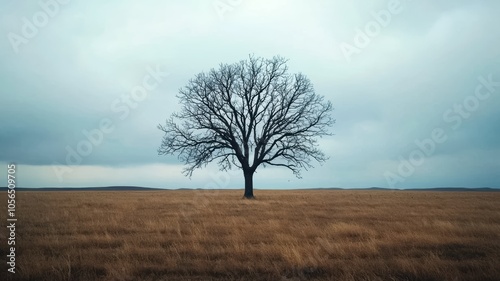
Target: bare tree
<point>248,114</point>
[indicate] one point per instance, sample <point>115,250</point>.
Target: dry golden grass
<point>283,235</point>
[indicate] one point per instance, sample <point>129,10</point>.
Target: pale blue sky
<point>395,72</point>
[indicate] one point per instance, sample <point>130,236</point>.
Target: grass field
<point>283,235</point>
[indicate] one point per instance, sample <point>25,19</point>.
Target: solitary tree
<point>248,114</point>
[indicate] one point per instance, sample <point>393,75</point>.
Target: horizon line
<point>132,187</point>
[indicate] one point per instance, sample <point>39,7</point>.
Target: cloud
<point>65,79</point>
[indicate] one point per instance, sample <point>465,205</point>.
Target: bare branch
<point>248,114</point>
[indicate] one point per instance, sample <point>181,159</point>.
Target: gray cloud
<point>90,55</point>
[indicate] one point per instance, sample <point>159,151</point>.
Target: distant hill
<point>103,188</point>
<point>140,188</point>
<point>484,189</point>
<point>453,189</point>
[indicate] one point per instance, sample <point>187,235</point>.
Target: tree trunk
<point>248,185</point>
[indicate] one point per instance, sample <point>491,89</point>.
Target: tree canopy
<point>248,114</point>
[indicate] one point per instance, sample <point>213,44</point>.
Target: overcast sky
<point>415,86</point>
